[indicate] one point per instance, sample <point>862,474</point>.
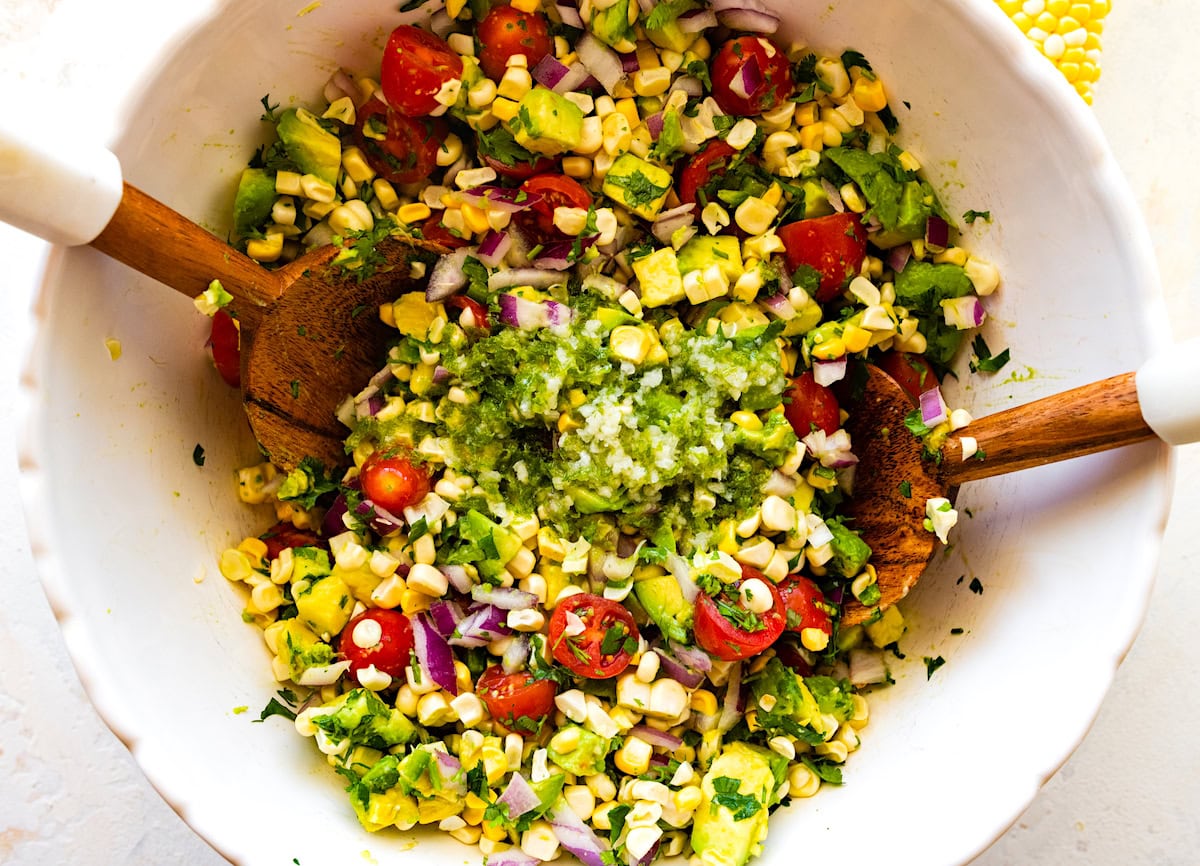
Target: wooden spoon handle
<point>1082,421</point>
<point>156,241</point>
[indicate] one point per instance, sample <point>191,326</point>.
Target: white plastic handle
<point>56,187</point>
<point>1168,388</point>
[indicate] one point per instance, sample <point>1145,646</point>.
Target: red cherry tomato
<point>285,535</point>
<point>804,602</point>
<point>522,170</point>
<point>834,245</point>
<point>602,649</point>
<point>225,341</point>
<point>721,637</point>
<point>393,652</point>
<point>433,230</point>
<point>408,150</point>
<point>393,482</point>
<point>506,31</point>
<point>416,64</point>
<point>911,372</point>
<point>807,405</point>
<point>478,310</point>
<point>751,75</point>
<point>708,162</point>
<point>513,697</point>
<point>556,190</point>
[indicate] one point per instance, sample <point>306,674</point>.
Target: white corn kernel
<point>756,596</point>
<point>754,215</point>
<point>668,700</point>
<point>524,620</point>
<point>433,709</point>
<point>983,275</point>
<point>388,594</point>
<point>570,220</point>
<point>647,668</point>
<point>602,787</point>
<point>573,704</point>
<point>778,515</point>
<point>314,188</point>
<point>782,746</point>
<point>468,708</point>
<point>427,579</point>
<point>741,134</point>
<point>581,800</point>
<point>424,549</point>
<point>540,841</point>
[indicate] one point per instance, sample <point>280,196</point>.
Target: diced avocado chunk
<point>312,147</point>
<point>309,562</point>
<point>586,759</point>
<point>547,123</point>
<point>301,648</point>
<point>388,809</point>
<point>612,317</point>
<point>589,502</point>
<point>364,719</point>
<point>914,212</point>
<point>611,26</point>
<point>639,185</point>
<point>888,629</point>
<point>816,200</point>
<point>254,200</point>
<point>701,252</point>
<point>326,605</point>
<point>731,821</point>
<point>669,36</point>
<point>659,277</point>
<point>850,552</point>
<point>499,544</point>
<point>663,600</point>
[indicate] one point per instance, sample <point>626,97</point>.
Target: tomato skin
<point>598,615</point>
<point>284,535</point>
<point>774,70</point>
<point>522,170</point>
<point>391,655</point>
<point>788,651</point>
<point>801,597</point>
<point>911,372</point>
<point>434,232</point>
<point>807,404</point>
<point>555,190</point>
<point>834,245</point>
<point>701,166</point>
<point>224,339</point>
<point>408,153</point>
<point>393,482</point>
<point>478,310</point>
<point>508,697</point>
<point>506,31</point>
<point>721,638</point>
<point>416,64</point>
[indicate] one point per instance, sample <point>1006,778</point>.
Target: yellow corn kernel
<point>413,213</point>
<point>476,220</point>
<point>504,109</point>
<point>255,547</point>
<point>703,701</point>
<point>809,113</point>
<point>527,6</point>
<point>812,137</point>
<point>412,601</point>
<point>856,339</point>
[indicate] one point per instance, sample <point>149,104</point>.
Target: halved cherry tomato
<point>478,310</point>
<point>393,482</point>
<point>751,75</point>
<point>416,64</point>
<point>513,697</point>
<point>522,170</point>
<point>708,163</point>
<point>392,653</point>
<point>285,535</point>
<point>555,190</point>
<point>433,230</point>
<point>506,31</point>
<point>834,245</point>
<point>408,150</point>
<point>721,637</point>
<point>225,341</point>
<point>603,648</point>
<point>807,405</point>
<point>804,602</point>
<point>911,372</point>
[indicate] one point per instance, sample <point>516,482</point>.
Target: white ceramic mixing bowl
<point>127,528</point>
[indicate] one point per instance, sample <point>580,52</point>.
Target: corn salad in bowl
<point>578,590</point>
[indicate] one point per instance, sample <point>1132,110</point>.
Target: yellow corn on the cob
<point>1067,33</point>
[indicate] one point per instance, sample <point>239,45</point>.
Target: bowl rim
<point>1030,71</point>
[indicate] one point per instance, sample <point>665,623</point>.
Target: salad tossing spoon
<point>310,332</point>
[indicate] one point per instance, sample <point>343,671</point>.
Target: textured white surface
<point>1129,795</point>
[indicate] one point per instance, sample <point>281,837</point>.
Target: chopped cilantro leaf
<point>275,708</point>
<point>726,794</point>
<point>294,385</point>
<point>915,425</point>
<point>906,489</point>
<point>198,454</point>
<point>975,586</point>
<point>639,189</point>
<point>613,639</point>
<point>931,665</point>
<point>666,13</point>
<point>984,361</point>
<point>970,216</point>
<point>269,110</point>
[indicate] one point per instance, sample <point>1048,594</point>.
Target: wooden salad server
<point>894,478</point>
<point>310,333</point>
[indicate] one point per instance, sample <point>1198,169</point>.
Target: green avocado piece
<point>365,719</point>
<point>313,148</point>
<point>547,123</point>
<point>254,200</point>
<point>587,758</point>
<point>611,26</point>
<point>669,36</point>
<point>914,213</point>
<point>664,602</point>
<point>309,562</point>
<point>702,251</point>
<point>639,185</point>
<point>850,552</point>
<point>590,502</point>
<point>611,317</point>
<point>745,778</point>
<point>816,200</point>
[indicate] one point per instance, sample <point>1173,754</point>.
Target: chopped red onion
<point>655,737</point>
<point>533,277</point>
<point>748,80</point>
<point>569,15</point>
<point>558,314</point>
<point>898,257</point>
<point>670,221</point>
<point>834,196</point>
<point>688,84</point>
<point>434,654</point>
<point>733,696</point>
<point>556,256</point>
<point>692,656</point>
<point>677,670</point>
<point>332,523</point>
<point>505,598</point>
<point>341,84</point>
<point>481,627</point>
<point>696,20</point>
<point>450,773</point>
<point>446,616</point>
<point>933,408</point>
<point>512,856</point>
<point>601,61</point>
<point>780,306</point>
<point>683,576</point>
<point>647,6</point>
<point>827,372</point>
<point>448,277</point>
<point>780,485</point>
<point>654,123</point>
<point>519,797</point>
<point>577,78</point>
<point>833,451</point>
<point>493,247</point>
<point>867,667</point>
<point>750,20</point>
<point>499,198</point>
<point>576,836</point>
<point>548,71</point>
<point>381,521</point>
<point>515,654</point>
<point>820,534</point>
<point>937,233</point>
<point>441,23</point>
<point>629,63</point>
<point>964,313</point>
<point>458,577</point>
<point>518,312</point>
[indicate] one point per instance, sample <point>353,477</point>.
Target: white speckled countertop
<point>1130,795</point>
